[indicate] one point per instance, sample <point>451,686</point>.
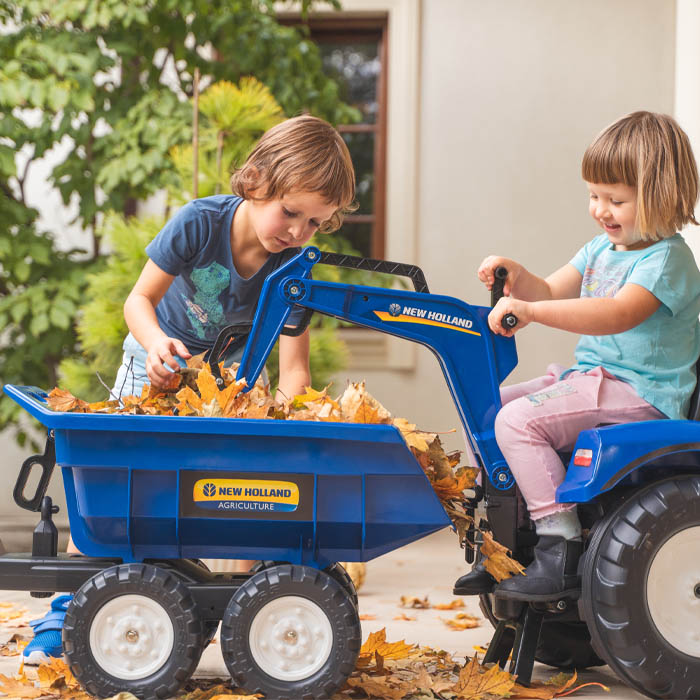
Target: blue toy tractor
<point>149,496</point>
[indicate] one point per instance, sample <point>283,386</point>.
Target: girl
<point>206,269</point>
<point>633,293</point>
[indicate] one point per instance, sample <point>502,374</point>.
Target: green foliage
<point>109,81</point>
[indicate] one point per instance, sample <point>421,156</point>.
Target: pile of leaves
<point>193,391</point>
<point>385,670</point>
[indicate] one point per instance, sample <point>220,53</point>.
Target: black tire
<point>286,603</point>
<point>620,588</point>
<point>563,645</point>
<point>338,572</point>
<point>100,606</point>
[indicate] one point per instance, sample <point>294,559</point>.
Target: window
<point>354,54</point>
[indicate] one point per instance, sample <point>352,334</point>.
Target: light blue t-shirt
<point>207,293</point>
<point>658,356</point>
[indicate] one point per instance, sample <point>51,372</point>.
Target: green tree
<point>109,80</point>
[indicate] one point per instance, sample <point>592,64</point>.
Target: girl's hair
<point>652,153</point>
<point>300,154</point>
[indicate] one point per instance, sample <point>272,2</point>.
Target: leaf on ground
<point>14,645</point>
<point>368,616</point>
<point>475,682</point>
<point>20,687</point>
<point>405,618</point>
<point>462,621</point>
<point>377,687</point>
<point>453,605</point>
<point>498,561</point>
<point>376,643</point>
<point>411,601</point>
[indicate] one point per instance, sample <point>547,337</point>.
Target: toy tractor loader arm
<point>474,361</point>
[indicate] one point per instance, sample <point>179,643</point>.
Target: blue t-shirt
<point>207,293</point>
<point>658,356</point>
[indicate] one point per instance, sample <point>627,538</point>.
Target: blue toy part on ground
<point>141,487</point>
<point>609,454</point>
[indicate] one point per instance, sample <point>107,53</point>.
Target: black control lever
<point>500,275</point>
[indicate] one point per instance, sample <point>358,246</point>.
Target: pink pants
<point>544,415</point>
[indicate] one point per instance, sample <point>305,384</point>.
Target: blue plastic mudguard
<point>140,487</point>
<point>618,450</point>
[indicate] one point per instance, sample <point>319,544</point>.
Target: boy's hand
<point>162,353</point>
<point>522,310</point>
<point>487,267</point>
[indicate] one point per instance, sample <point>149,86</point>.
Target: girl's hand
<point>522,310</point>
<point>487,267</point>
<point>162,353</point>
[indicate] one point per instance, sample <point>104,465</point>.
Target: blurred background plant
<point>102,86</point>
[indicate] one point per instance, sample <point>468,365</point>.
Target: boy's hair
<point>300,154</point>
<point>651,152</point>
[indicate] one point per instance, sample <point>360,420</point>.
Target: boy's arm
<point>140,315</point>
<point>294,366</point>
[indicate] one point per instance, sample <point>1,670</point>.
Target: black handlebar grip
<point>509,321</point>
<point>499,280</point>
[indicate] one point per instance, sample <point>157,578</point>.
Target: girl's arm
<point>294,366</point>
<point>140,315</point>
<point>587,316</point>
<point>565,283</point>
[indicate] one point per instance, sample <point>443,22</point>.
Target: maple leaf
<point>378,688</point>
<point>206,384</point>
<point>356,403</point>
<point>196,361</point>
<point>404,617</point>
<point>456,603</point>
<point>189,402</point>
<point>20,687</point>
<point>376,642</point>
<point>414,438</point>
<point>414,602</point>
<point>473,683</point>
<point>498,562</point>
<point>462,621</point>
<point>64,401</point>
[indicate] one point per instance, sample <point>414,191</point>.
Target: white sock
<point>563,524</point>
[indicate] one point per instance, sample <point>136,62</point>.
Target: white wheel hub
<point>131,637</point>
<point>290,638</point>
<point>673,591</point>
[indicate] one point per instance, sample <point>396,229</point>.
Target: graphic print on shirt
<point>205,309</point>
<point>603,281</point>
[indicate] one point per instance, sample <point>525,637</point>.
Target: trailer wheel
<point>134,628</point>
<point>563,645</point>
<point>641,589</point>
<point>291,632</point>
<point>338,572</point>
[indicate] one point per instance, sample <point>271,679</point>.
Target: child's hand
<point>487,267</point>
<point>522,310</point>
<point>160,354</point>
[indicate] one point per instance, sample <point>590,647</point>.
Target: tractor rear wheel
<point>641,589</point>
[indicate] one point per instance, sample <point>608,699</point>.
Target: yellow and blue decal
<point>253,495</point>
<point>413,314</point>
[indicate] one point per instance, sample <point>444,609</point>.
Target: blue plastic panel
<point>139,487</point>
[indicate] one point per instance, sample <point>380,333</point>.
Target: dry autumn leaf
<point>414,602</point>
<point>453,605</point>
<point>405,617</point>
<point>462,621</point>
<point>376,643</point>
<point>475,682</point>
<point>20,687</point>
<point>498,561</point>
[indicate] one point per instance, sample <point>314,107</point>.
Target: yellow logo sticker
<point>246,494</point>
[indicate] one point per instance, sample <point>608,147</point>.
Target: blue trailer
<point>149,496</point>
